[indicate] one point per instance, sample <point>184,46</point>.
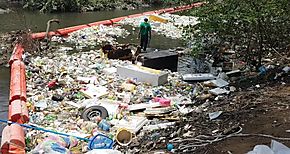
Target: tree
<point>251,27</point>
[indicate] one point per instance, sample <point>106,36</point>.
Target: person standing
<point>144,34</point>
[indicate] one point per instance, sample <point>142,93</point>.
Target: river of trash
<point>169,25</point>
<point>60,87</point>
<point>89,103</point>
<point>97,35</point>
<point>83,94</point>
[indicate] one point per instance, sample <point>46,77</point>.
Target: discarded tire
<point>92,112</point>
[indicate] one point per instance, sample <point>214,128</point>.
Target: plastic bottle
<point>104,125</point>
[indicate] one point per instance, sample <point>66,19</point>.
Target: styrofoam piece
<point>141,106</point>
<point>157,111</point>
<point>198,77</point>
<point>218,91</point>
<point>91,80</point>
<point>110,70</point>
<point>143,74</point>
<point>133,123</point>
<point>94,92</point>
<point>158,126</point>
<point>219,83</point>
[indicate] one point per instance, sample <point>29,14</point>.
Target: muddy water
<point>22,19</point>
<point>4,93</point>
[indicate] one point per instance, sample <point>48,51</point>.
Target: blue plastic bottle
<point>103,124</point>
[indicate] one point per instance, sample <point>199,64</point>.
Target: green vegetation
<point>78,5</point>
<point>254,28</point>
<point>94,5</point>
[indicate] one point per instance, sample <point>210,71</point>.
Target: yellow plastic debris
<point>157,18</point>
<point>128,87</point>
<point>154,71</point>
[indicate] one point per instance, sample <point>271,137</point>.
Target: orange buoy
<point>13,141</point>
<point>66,31</point>
<point>18,112</point>
<point>114,20</point>
<point>41,35</point>
<point>23,81</point>
<point>148,13</point>
<point>17,81</point>
<point>16,54</point>
<point>104,22</point>
<point>135,15</point>
<point>160,11</point>
<point>168,10</point>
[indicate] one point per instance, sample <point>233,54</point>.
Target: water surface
<point>4,94</point>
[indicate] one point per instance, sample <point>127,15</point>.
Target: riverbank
<point>96,5</point>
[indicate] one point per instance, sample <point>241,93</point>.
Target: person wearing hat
<point>144,34</point>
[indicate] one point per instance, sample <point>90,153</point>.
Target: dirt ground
<point>258,107</point>
<point>265,111</point>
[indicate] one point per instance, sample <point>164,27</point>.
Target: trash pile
<point>93,36</point>
<point>166,24</point>
<point>107,103</point>
<point>181,20</point>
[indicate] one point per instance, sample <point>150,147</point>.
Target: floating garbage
<point>165,24</point>
<point>93,36</point>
